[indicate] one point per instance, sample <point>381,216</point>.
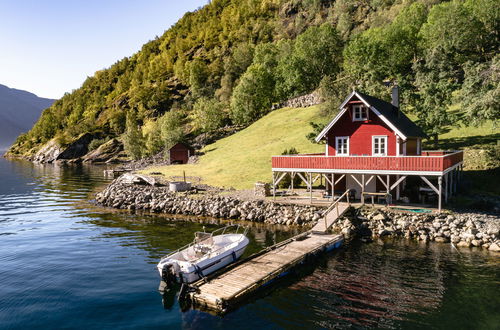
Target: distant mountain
<point>19,110</point>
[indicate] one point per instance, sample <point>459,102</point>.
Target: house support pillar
<point>362,189</point>
<point>333,186</point>
<point>446,188</point>
<point>440,184</point>
<point>274,188</point>
<point>310,189</point>
<point>397,188</point>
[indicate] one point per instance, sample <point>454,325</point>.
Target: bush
<point>96,143</point>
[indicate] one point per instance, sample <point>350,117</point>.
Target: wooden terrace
<point>440,170</point>
<point>430,162</point>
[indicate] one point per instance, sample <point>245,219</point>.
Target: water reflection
<point>66,263</point>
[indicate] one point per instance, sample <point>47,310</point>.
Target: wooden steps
<point>224,290</point>
<point>324,224</point>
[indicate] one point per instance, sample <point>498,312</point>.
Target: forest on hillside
<point>229,61</point>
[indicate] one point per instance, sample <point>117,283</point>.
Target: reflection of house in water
<point>375,285</point>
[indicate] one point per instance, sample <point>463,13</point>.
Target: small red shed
<point>179,153</point>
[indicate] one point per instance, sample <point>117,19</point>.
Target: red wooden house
<point>372,147</point>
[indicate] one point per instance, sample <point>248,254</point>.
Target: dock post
<point>292,175</point>
<point>388,184</point>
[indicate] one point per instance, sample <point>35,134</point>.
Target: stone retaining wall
<point>300,101</point>
<point>461,229</point>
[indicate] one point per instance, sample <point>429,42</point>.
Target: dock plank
<point>220,291</point>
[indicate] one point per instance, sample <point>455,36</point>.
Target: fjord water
<point>65,263</point>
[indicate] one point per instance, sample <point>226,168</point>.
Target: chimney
<point>395,97</point>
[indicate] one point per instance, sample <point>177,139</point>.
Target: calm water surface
<point>65,263</point>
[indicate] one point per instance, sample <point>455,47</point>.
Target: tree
<point>448,38</point>
<point>133,140</point>
<point>253,96</point>
<point>171,128</point>
<point>208,114</point>
<point>387,53</point>
<point>316,53</point>
<point>198,76</point>
<point>480,92</point>
<point>152,136</point>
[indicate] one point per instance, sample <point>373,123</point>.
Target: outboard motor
<point>168,275</point>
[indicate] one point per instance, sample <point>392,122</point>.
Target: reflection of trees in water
<point>160,234</point>
<point>52,178</point>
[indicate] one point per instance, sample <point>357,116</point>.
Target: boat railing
<point>222,231</point>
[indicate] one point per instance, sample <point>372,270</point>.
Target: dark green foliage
<point>234,58</point>
<point>96,143</point>
<point>480,92</point>
<point>317,128</point>
<point>316,53</point>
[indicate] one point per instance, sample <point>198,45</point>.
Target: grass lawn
<point>243,158</point>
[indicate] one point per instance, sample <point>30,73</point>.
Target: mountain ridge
<point>19,110</point>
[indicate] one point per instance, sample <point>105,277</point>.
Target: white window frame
<point>385,145</point>
<point>363,112</point>
<point>337,139</point>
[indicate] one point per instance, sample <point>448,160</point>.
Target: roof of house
<point>181,144</point>
<point>396,120</point>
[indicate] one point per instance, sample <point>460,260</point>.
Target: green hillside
<point>229,61</point>
<point>244,158</point>
<point>241,159</point>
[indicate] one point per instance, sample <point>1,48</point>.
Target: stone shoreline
<point>161,200</point>
<point>461,229</point>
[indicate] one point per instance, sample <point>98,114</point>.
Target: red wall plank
<point>360,133</point>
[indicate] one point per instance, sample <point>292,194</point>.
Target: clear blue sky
<point>49,47</point>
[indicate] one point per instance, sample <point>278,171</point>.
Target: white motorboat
<point>206,254</point>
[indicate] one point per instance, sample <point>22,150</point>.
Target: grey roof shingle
<point>389,111</point>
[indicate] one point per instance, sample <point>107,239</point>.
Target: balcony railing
<point>429,161</point>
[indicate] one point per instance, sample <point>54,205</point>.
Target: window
<point>342,145</point>
<point>379,146</point>
<point>359,113</point>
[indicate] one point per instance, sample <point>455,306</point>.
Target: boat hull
<point>187,272</point>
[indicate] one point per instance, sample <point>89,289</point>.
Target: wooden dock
<point>222,291</point>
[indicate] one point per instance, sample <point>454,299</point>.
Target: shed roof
<point>399,122</point>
